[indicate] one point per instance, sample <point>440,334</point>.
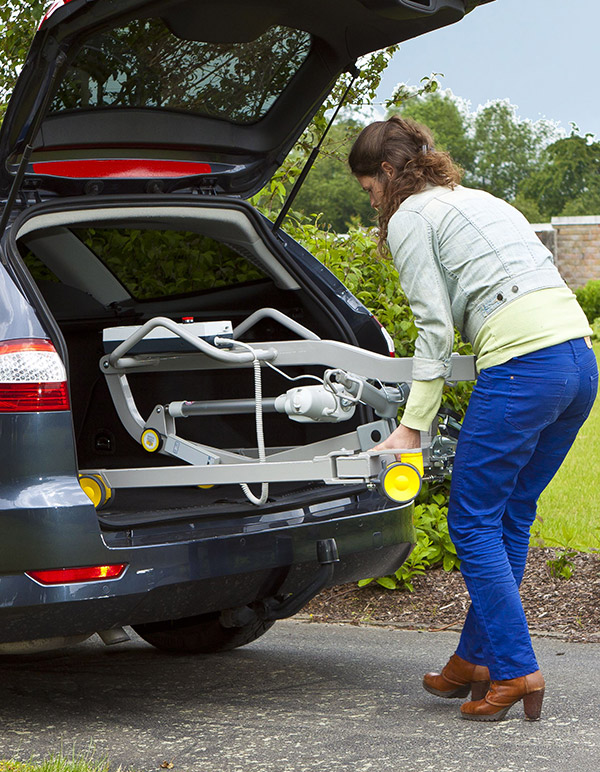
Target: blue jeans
<point>521,421</point>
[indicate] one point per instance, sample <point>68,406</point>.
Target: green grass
<point>57,763</point>
<point>569,508</point>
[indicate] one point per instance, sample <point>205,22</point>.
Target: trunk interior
<point>108,267</point>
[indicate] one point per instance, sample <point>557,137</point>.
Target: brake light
<point>78,575</point>
<point>120,168</point>
<point>32,377</point>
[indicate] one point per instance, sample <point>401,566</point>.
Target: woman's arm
<point>413,244</point>
<point>414,248</point>
<point>423,403</point>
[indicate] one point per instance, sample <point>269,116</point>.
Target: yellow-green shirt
<point>534,321</point>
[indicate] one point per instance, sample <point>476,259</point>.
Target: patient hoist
<point>351,376</point>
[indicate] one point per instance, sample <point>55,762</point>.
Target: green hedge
<point>589,299</point>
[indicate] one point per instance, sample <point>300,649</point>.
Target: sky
<point>542,55</point>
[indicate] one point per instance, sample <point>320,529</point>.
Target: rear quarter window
<point>156,264</point>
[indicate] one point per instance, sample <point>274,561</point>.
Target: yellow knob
<point>95,489</point>
<point>400,482</point>
<point>151,440</point>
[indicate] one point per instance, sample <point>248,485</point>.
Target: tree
<point>330,190</point>
<point>529,207</point>
<point>357,93</point>
<point>448,123</point>
<point>507,149</point>
<point>568,178</point>
<point>494,146</point>
<point>586,203</point>
<point>18,22</point>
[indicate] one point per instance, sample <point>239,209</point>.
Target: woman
<point>469,260</point>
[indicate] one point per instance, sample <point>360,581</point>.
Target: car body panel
<point>203,576</point>
<point>18,318</point>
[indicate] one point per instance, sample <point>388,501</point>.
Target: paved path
<point>305,697</point>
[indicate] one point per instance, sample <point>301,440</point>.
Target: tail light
<point>78,575</point>
<point>32,377</point>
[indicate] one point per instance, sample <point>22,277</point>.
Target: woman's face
<point>373,186</point>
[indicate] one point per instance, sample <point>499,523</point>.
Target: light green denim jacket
<point>462,255</point>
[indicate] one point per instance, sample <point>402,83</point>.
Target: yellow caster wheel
<point>400,482</point>
<point>95,489</point>
<point>151,440</point>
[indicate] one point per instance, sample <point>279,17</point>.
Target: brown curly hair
<point>408,147</point>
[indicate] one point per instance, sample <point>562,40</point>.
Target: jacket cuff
<point>430,369</point>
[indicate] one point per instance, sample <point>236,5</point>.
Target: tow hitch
<point>281,607</point>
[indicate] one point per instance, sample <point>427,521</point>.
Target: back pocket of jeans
<point>534,402</point>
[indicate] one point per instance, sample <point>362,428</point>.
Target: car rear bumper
<point>171,581</point>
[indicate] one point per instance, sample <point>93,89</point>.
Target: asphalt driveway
<point>304,697</point>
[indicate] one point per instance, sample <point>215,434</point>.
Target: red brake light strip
<point>78,575</point>
<point>125,168</point>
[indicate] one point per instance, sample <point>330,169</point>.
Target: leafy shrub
<point>589,299</point>
<point>434,546</point>
<point>562,566</point>
<point>431,519</point>
<point>415,565</point>
<point>156,263</point>
<point>352,257</point>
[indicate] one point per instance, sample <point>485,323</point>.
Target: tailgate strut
<point>47,92</point>
<point>313,155</point>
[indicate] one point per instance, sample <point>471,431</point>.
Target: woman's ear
<point>388,169</point>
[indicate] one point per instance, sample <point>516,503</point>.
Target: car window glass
<point>143,64</point>
<point>37,269</point>
<point>155,263</point>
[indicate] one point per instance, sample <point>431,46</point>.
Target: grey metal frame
<point>345,458</point>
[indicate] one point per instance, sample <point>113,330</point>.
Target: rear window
<point>156,264</point>
<point>145,65</point>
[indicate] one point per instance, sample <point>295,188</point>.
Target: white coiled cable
<point>258,412</point>
<point>260,434</point>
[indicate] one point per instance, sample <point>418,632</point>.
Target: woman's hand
<point>403,438</point>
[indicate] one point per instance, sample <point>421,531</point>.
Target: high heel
<point>457,679</point>
<point>532,704</point>
<point>502,695</point>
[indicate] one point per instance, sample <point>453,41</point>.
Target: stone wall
<point>575,244</point>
